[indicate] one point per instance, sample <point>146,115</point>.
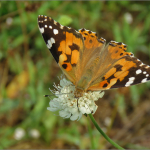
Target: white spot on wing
<point>55,22</point>
<point>141,64</point>
<point>55,31</point>
<point>131,80</point>
<point>138,60</point>
<point>41,30</point>
<point>103,39</point>
<point>138,71</point>
<point>50,27</point>
<point>113,41</point>
<point>144,72</point>
<point>52,40</point>
<point>144,80</point>
<point>49,44</point>
<point>147,67</point>
<point>147,75</point>
<point>45,26</point>
<point>61,27</point>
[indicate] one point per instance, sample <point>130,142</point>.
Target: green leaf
<point>64,20</point>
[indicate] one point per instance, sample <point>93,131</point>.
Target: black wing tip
<point>43,17</point>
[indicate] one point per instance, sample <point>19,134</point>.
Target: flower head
<point>68,105</point>
<point>19,133</point>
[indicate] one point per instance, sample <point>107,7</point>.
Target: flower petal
<point>68,105</point>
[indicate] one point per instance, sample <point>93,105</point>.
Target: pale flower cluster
<point>69,106</point>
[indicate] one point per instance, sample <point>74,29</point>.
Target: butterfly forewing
<point>123,69</point>
<point>63,42</point>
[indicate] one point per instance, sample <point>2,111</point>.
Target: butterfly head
<point>78,93</point>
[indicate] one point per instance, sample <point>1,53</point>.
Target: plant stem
<point>91,136</point>
<point>103,134</point>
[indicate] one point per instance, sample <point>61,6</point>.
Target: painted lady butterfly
<point>87,62</point>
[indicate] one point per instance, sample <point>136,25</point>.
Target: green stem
<point>103,134</point>
<point>91,136</point>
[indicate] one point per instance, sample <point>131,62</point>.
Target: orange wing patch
<point>74,57</point>
<point>66,65</point>
<point>91,40</point>
<point>118,72</point>
<point>69,49</point>
<point>124,70</point>
<point>117,50</point>
<point>69,41</point>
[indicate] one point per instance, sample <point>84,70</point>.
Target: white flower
<point>128,17</point>
<point>68,105</point>
<point>19,133</point>
<point>34,133</point>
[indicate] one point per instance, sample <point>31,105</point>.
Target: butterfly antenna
<point>55,94</point>
<point>47,95</point>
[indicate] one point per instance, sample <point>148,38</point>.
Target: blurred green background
<point>28,70</point>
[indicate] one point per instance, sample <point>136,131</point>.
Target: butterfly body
<point>87,62</point>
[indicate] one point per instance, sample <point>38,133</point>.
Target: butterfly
<point>87,62</point>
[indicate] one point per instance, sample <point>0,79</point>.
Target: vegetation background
<point>28,70</point>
